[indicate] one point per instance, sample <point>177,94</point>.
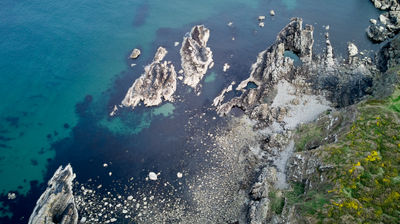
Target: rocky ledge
<point>57,205</point>
<point>196,57</point>
<point>389,22</point>
<point>157,83</point>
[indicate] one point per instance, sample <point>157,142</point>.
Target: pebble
<point>152,176</point>
<point>179,175</point>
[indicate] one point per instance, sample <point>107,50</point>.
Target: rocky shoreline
<point>277,98</point>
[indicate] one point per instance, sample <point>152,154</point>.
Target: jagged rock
<point>57,205</point>
<point>352,49</point>
<point>387,4</point>
<point>196,57</point>
<point>157,83</point>
<point>271,66</point>
<point>389,55</point>
<point>135,53</point>
<point>259,207</point>
<point>390,21</point>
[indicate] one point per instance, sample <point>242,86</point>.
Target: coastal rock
<point>387,4</point>
<point>157,83</point>
<point>389,55</point>
<point>196,57</point>
<point>352,52</point>
<point>390,21</point>
<point>57,205</point>
<point>272,13</point>
<point>272,66</point>
<point>135,53</point>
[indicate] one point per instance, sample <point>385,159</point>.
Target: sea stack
<point>158,82</point>
<point>196,57</point>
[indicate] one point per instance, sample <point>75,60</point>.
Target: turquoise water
<point>57,56</point>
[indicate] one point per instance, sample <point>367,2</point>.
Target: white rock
<point>11,196</point>
<point>130,197</point>
<point>113,220</point>
<point>179,175</point>
<point>261,18</point>
<point>261,24</point>
<point>353,50</point>
<point>135,53</point>
<point>230,24</point>
<point>176,43</point>
<point>373,21</point>
<point>226,67</point>
<point>152,176</point>
<point>327,27</point>
<point>383,19</point>
<point>105,165</point>
<point>113,112</point>
<point>109,174</point>
<point>272,12</point>
<point>83,220</point>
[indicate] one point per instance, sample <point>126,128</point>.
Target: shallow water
<point>64,65</point>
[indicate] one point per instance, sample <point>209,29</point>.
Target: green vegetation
<point>277,202</point>
<point>364,184</point>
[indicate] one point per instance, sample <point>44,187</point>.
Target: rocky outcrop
<point>196,57</point>
<point>259,207</point>
<point>389,55</point>
<point>158,83</point>
<point>135,53</point>
<point>389,22</point>
<point>57,205</point>
<point>342,83</point>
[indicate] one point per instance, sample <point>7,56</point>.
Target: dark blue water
<point>64,65</point>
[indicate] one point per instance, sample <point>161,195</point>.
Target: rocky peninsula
<point>57,203</point>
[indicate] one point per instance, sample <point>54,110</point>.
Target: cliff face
<point>57,205</point>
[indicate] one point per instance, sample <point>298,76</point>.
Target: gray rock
<point>158,83</point>
<point>390,21</point>
<point>57,205</point>
<point>135,53</point>
<point>196,57</point>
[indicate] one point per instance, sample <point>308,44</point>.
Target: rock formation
<point>157,83</point>
<point>135,53</point>
<point>195,55</point>
<point>320,76</point>
<point>57,205</point>
<point>389,24</point>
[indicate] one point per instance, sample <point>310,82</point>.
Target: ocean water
<point>64,65</point>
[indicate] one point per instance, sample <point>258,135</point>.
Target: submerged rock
<point>57,205</point>
<point>157,83</point>
<point>196,57</point>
